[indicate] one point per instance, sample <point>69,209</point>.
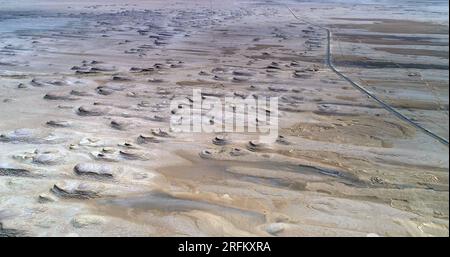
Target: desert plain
<point>86,146</point>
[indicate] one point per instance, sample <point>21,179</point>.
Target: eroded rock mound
<point>75,190</point>
<point>14,172</point>
<point>94,170</point>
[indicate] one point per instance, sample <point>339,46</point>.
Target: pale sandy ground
<point>345,167</point>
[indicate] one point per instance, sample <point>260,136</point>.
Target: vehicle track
<point>386,106</point>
